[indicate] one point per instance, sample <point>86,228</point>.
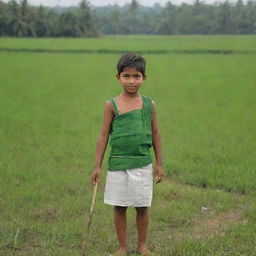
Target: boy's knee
<point>120,209</point>
<point>141,210</point>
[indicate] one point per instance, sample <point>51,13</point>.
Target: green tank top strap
<point>115,106</point>
<point>147,103</point>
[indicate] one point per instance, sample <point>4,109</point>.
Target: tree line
<point>19,19</point>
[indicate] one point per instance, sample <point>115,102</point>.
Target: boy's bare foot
<point>144,251</point>
<point>120,252</point>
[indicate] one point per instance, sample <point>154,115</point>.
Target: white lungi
<point>131,187</point>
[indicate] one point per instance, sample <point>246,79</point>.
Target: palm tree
<point>17,19</point>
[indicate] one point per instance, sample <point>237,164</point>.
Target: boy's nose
<point>132,80</point>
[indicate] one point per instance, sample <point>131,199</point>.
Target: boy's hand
<point>95,175</point>
<point>159,173</point>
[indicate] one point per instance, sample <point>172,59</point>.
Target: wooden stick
<point>85,242</point>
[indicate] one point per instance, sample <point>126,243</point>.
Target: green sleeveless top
<point>131,137</point>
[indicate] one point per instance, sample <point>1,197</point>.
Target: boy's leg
<point>121,227</point>
<point>142,225</point>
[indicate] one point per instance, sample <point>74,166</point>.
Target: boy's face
<point>131,80</point>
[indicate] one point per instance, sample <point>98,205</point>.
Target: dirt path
<point>209,223</point>
<point>217,224</point>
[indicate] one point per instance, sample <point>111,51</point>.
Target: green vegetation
<point>19,19</point>
<point>50,115</point>
<point>180,43</point>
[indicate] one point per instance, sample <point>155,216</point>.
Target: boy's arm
<point>102,140</point>
<point>157,146</point>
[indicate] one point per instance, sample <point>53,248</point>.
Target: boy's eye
<point>126,75</point>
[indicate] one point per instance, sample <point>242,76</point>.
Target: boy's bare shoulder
<point>108,103</point>
<point>109,106</point>
<point>149,99</point>
<point>153,106</point>
<point>153,102</point>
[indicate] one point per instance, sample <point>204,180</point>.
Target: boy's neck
<point>130,95</point>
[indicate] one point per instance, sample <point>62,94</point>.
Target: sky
<point>106,2</point>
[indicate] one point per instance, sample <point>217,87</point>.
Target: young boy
<point>131,121</point>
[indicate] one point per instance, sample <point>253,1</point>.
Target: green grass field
<point>50,115</point>
<point>137,43</point>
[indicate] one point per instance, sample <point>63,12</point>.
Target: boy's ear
<point>118,76</point>
<point>144,77</point>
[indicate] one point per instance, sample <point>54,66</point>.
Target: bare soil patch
<point>217,224</point>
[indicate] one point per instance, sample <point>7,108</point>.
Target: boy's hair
<point>131,60</point>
